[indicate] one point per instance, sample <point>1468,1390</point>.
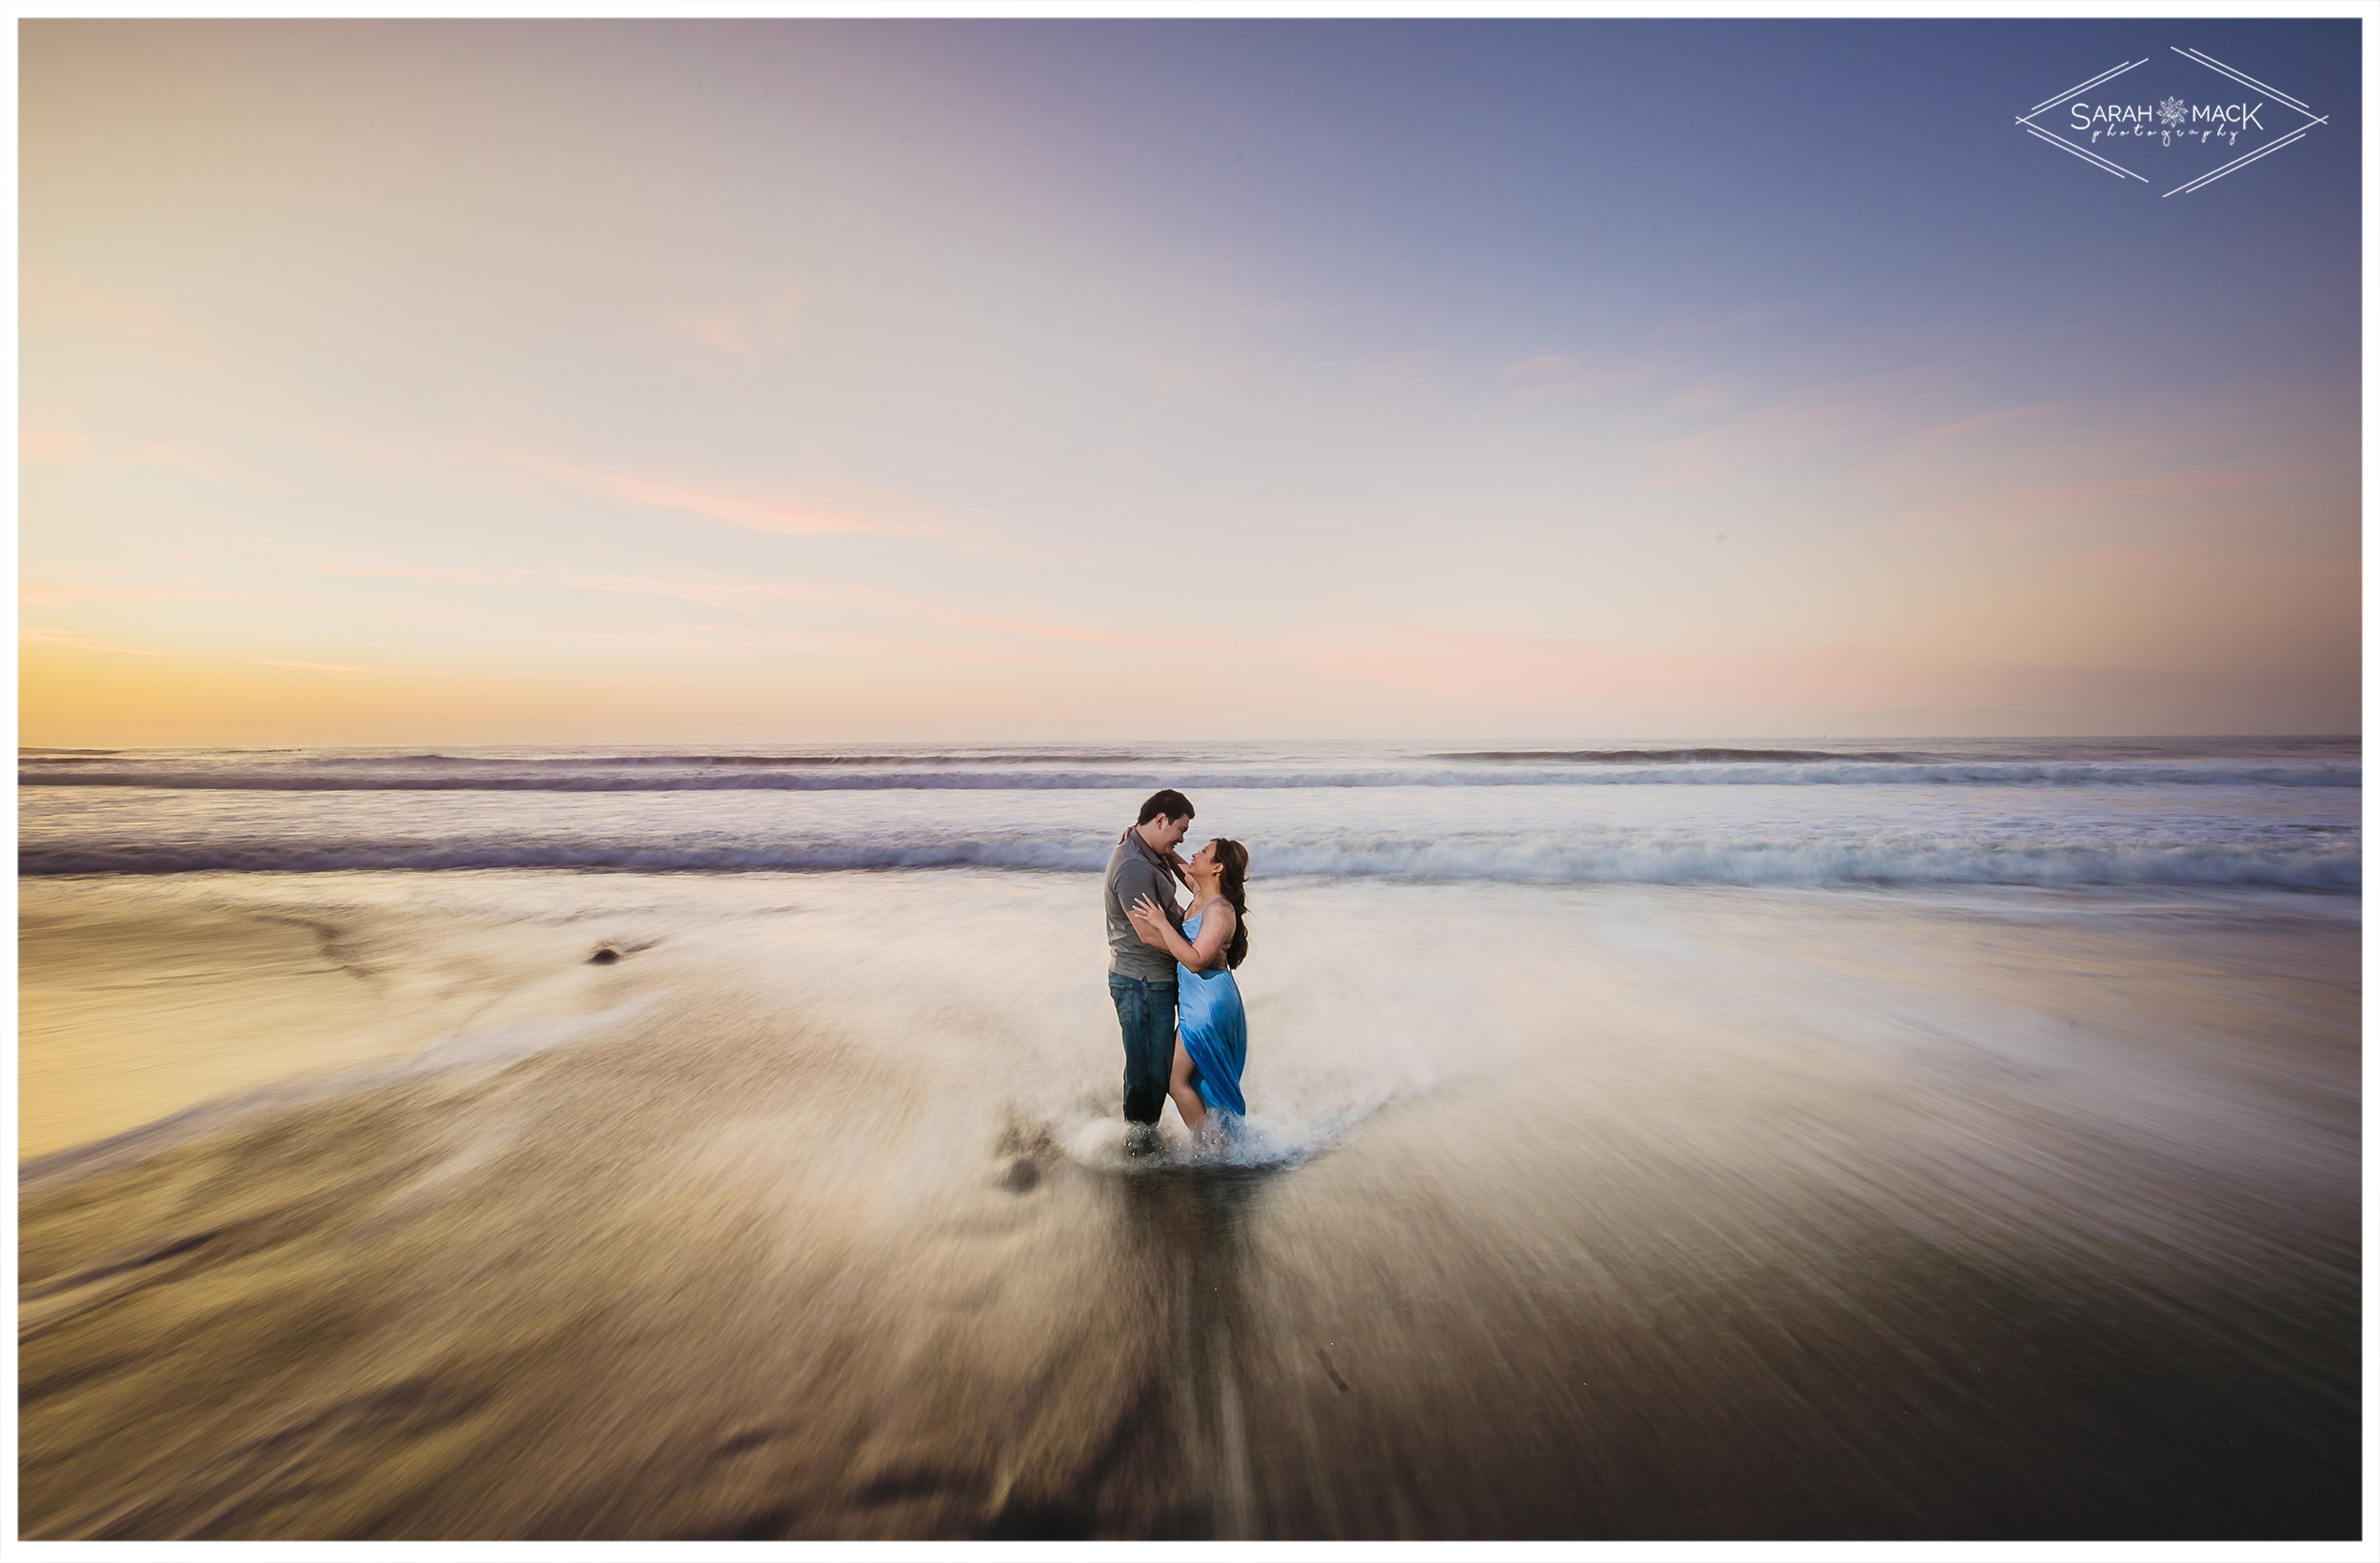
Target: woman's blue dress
<point>1214,1028</point>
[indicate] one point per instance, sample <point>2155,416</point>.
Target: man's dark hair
<point>1170,804</point>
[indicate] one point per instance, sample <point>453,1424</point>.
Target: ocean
<point>1735,1139</point>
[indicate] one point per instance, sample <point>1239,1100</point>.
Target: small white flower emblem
<point>2172,111</point>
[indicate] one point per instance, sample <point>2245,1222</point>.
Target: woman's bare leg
<point>1184,1093</point>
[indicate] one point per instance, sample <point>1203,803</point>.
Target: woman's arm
<point>1214,932</point>
<point>1157,930</point>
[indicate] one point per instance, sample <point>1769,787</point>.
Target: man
<point>1141,977</point>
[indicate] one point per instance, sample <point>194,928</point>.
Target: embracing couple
<point>1169,970</point>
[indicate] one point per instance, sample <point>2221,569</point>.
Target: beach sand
<point>133,1006</point>
<point>1566,1211</point>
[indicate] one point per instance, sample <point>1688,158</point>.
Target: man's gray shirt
<point>1135,870</point>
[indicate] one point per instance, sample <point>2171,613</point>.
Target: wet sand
<point>1618,1212</point>
<point>130,1010</point>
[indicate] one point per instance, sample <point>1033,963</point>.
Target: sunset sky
<point>787,382</point>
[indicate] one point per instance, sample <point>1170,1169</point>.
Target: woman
<point>1211,1044</point>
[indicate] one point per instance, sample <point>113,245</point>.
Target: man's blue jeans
<point>1145,1007</point>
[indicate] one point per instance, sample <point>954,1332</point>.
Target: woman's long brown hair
<point>1233,859</point>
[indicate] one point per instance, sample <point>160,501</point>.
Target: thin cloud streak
<point>756,333</point>
<point>42,593</point>
<point>718,591</point>
<point>750,512</point>
<point>324,667</point>
<point>66,640</point>
<point>1986,420</point>
<point>2021,512</point>
<point>1839,419</point>
<point>74,447</point>
<point>123,321</point>
<point>1767,314</point>
<point>1553,377</point>
<point>55,446</point>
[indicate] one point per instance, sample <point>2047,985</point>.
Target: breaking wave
<point>2314,864</point>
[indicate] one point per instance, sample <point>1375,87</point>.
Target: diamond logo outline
<point>2065,144</point>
